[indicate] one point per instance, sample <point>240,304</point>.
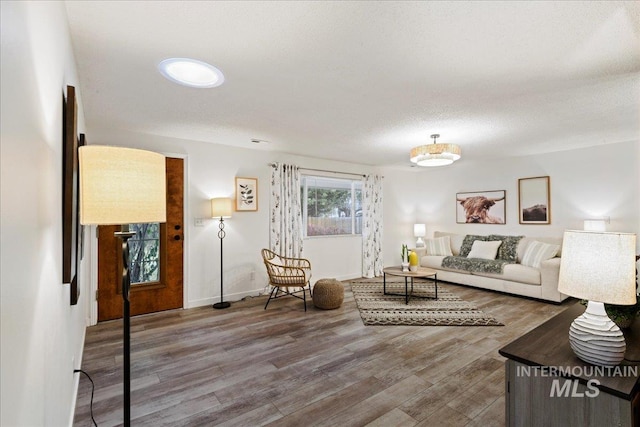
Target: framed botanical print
<point>534,202</point>
<point>246,194</point>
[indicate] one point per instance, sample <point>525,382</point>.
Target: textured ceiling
<point>366,81</point>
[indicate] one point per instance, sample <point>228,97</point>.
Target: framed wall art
<point>481,207</point>
<point>70,193</point>
<point>534,202</point>
<point>246,194</point>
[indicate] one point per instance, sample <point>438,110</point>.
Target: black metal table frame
<point>407,295</point>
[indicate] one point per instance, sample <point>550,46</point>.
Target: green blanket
<point>476,265</point>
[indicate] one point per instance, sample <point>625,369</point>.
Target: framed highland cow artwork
<point>534,202</point>
<point>481,207</point>
<point>246,194</point>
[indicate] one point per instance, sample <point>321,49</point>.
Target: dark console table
<point>547,385</point>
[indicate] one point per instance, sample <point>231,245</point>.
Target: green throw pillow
<point>508,249</point>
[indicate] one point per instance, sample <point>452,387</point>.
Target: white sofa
<point>540,283</point>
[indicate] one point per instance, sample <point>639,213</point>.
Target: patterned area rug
<point>448,310</point>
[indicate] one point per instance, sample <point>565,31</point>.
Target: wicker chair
<point>285,273</point>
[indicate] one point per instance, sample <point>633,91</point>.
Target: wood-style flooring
<point>245,366</point>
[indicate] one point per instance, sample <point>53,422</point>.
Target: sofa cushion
<point>524,243</point>
<point>440,246</point>
<point>516,273</point>
<point>484,250</point>
<point>508,249</point>
<point>433,261</point>
<point>465,248</point>
<point>456,240</point>
<point>537,252</point>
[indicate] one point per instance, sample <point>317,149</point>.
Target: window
<point>144,253</point>
<point>331,206</point>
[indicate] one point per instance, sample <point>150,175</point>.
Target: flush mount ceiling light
<point>435,154</point>
<point>191,72</point>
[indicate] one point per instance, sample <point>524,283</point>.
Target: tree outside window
<point>331,206</point>
<point>144,253</point>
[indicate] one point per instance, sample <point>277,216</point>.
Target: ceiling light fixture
<point>435,154</point>
<point>191,72</point>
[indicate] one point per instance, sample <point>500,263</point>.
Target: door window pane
<point>144,253</point>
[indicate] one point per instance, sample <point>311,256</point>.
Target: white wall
<point>42,334</point>
<point>211,169</point>
<point>587,183</point>
<point>584,184</point>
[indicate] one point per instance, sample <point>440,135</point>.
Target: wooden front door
<point>156,261</point>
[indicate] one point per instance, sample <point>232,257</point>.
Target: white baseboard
<point>227,297</point>
<point>253,293</point>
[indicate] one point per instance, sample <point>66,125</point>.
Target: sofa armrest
<point>549,273</point>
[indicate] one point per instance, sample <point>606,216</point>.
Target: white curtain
<point>372,263</point>
<point>285,233</point>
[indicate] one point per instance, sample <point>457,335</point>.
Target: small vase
<point>413,268</point>
<point>405,266</point>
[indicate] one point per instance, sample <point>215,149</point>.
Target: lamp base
<point>595,339</point>
<point>220,305</point>
<point>420,243</point>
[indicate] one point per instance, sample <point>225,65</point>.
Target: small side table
<point>422,273</point>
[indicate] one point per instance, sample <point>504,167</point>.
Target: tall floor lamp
<point>221,207</point>
<point>122,186</point>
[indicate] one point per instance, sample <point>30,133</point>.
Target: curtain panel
<point>372,263</point>
<point>285,231</point>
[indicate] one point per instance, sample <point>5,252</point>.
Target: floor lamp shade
<point>121,185</point>
<point>221,207</point>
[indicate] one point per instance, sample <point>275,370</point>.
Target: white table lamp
<point>596,224</point>
<point>598,267</point>
<point>419,231</point>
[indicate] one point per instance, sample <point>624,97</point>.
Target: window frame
<point>353,183</point>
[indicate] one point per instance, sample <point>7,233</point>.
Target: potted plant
<point>404,256</point>
<point>624,315</point>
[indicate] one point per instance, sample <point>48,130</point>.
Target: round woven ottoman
<point>328,294</point>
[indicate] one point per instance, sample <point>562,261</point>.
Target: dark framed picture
<point>70,191</point>
<point>481,207</point>
<point>534,201</point>
<point>246,194</point>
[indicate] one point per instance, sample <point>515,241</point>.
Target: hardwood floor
<point>245,366</point>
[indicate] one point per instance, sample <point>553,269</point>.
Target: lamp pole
<point>126,323</point>
<point>221,234</point>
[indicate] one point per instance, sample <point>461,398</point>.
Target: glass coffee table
<point>422,273</point>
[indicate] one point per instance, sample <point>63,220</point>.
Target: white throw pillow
<point>484,250</point>
<point>440,246</point>
<point>537,252</point>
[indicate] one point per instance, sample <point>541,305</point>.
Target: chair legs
<point>275,289</point>
<point>274,294</point>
